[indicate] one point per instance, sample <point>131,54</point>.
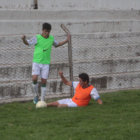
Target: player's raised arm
<point>64,42</point>
<point>24,40</point>
<point>65,81</point>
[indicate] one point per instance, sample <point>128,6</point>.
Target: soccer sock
<point>43,92</point>
<point>35,88</point>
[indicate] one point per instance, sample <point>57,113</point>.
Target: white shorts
<point>68,102</point>
<point>40,69</point>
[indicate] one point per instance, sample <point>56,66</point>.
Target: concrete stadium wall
<point>89,4</point>
<point>72,4</point>
<point>68,15</point>
<point>33,27</point>
<point>16,4</point>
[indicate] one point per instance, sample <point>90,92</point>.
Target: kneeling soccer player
<point>83,93</point>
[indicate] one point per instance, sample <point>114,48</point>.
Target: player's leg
<point>62,103</point>
<point>35,73</point>
<point>43,89</point>
<point>53,104</point>
<point>56,104</point>
<point>66,103</point>
<point>35,88</point>
<point>44,77</point>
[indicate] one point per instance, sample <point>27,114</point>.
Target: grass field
<point>117,119</point>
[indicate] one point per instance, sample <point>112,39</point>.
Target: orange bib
<point>82,96</point>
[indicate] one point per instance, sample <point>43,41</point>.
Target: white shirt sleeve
<point>32,41</point>
<point>55,43</point>
<point>74,84</point>
<point>94,94</point>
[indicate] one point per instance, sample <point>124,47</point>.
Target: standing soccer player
<point>41,59</point>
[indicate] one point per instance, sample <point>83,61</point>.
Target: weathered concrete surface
<point>88,4</point>
<point>97,67</point>
<point>90,47</point>
<point>93,67</point>
<point>23,72</point>
<point>23,55</point>
<point>116,81</point>
<point>102,52</point>
<point>14,27</point>
<point>86,47</point>
<point>16,4</point>
<point>22,89</point>
<point>68,15</point>
<point>71,4</point>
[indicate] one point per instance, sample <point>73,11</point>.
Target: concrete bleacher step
<point>86,47</point>
<point>22,56</point>
<point>23,72</point>
<point>15,57</point>
<point>88,4</point>
<point>92,67</point>
<point>8,27</point>
<point>55,88</point>
<point>78,21</point>
<point>23,89</point>
<point>118,81</point>
<point>68,15</point>
<point>105,46</point>
<point>16,4</point>
<point>71,4</point>
<point>114,66</point>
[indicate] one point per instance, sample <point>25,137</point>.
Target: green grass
<point>117,119</point>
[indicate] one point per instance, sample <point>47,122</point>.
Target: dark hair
<point>46,26</point>
<point>84,77</point>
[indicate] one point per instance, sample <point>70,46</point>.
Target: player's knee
<point>43,81</point>
<point>55,104</point>
<point>34,78</point>
<point>62,105</point>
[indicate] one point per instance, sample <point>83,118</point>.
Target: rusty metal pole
<point>35,4</point>
<point>69,55</point>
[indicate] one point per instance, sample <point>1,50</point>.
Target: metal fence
<point>16,65</point>
<point>112,61</point>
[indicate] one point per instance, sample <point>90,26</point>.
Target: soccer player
<point>83,93</point>
<point>41,59</point>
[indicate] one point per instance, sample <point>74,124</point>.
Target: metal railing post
<point>69,55</point>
